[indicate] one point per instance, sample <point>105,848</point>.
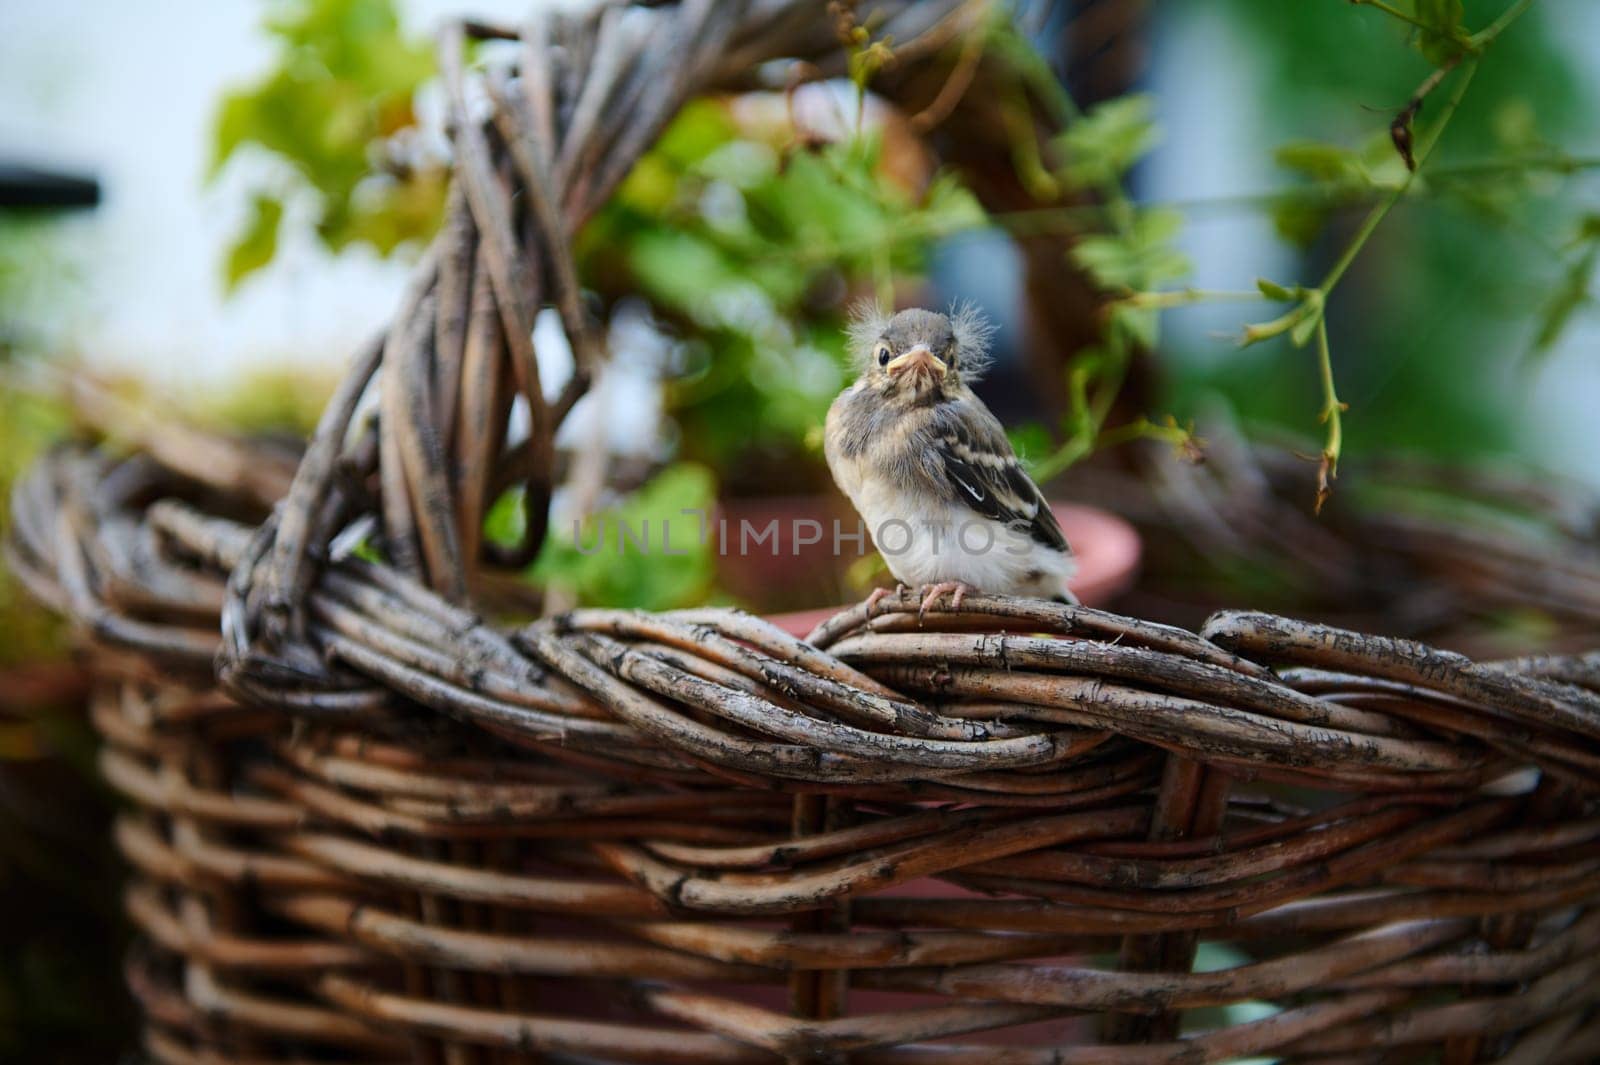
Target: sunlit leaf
<point>1112,136</point>
<point>1139,326</point>
<point>343,81</point>
<point>1031,441</point>
<point>256,246</point>
<point>1139,259</point>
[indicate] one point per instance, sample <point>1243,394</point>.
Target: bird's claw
<point>957,590</point>
<point>879,595</point>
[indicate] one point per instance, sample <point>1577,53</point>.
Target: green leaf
<point>1300,220</point>
<point>1031,441</point>
<point>1140,259</point>
<point>1303,330</point>
<point>683,271</point>
<point>950,207</point>
<point>386,212</point>
<point>344,79</point>
<point>236,118</point>
<point>1570,294</point>
<point>1444,38</point>
<point>1299,321</point>
<point>741,163</point>
<point>743,239</point>
<point>1138,326</point>
<point>1272,290</point>
<point>700,128</point>
<point>255,247</point>
<point>1105,143</point>
<point>1322,162</point>
<point>865,62</point>
<point>1342,174</point>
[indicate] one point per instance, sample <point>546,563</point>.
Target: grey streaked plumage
<point>911,445</point>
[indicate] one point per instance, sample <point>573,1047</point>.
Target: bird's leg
<point>957,589</point>
<point>879,595</point>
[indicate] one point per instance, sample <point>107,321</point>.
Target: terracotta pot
<point>1107,548</point>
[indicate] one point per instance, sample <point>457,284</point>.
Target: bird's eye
<point>883,354</point>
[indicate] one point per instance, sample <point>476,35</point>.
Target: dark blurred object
<point>23,186</point>
<point>62,998</point>
<point>1099,47</point>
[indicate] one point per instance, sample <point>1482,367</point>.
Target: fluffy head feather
<point>867,323</point>
<point>973,332</point>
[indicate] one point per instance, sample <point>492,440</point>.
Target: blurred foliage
<point>1123,247</point>
<point>264,401</point>
<point>338,109</point>
<point>1484,70</point>
<point>61,993</point>
<point>28,423</point>
<point>1486,257</point>
<point>1570,293</point>
<point>747,240</point>
<point>651,551</point>
<point>39,283</point>
<point>36,289</point>
<point>746,244</point>
<point>744,237</point>
<point>62,997</point>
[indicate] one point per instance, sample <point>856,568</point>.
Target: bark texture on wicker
<point>367,823</point>
<point>689,837</point>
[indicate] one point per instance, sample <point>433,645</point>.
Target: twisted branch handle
<point>567,116</point>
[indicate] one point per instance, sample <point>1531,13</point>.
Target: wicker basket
<point>367,824</point>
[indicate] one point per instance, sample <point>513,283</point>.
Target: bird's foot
<point>879,595</point>
<point>957,590</point>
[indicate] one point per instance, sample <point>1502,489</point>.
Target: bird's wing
<point>982,471</point>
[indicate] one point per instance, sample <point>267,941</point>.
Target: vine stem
<point>1184,297</point>
<point>1486,36</point>
<point>1393,12</point>
<point>1308,317</point>
<point>960,80</point>
<point>1332,409</point>
<point>1476,43</point>
<point>1376,216</point>
<point>1072,219</point>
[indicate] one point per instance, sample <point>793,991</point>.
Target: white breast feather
<point>925,540</point>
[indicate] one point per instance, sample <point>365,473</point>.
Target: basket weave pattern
<point>366,823</point>
<point>687,837</point>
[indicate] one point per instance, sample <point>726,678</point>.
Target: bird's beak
<point>918,357</point>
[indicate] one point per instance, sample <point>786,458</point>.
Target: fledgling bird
<point>929,468</point>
